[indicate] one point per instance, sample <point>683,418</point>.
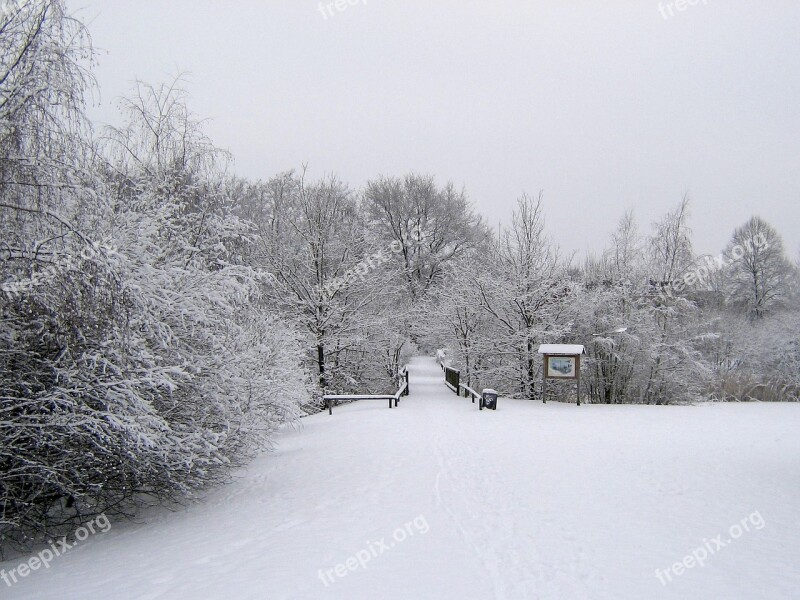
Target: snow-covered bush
<point>138,361</point>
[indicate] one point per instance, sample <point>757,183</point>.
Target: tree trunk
<point>323,383</point>
<point>531,383</point>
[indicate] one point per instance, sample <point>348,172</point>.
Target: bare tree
<point>432,225</point>
<point>758,269</point>
<point>625,252</point>
<point>671,245</point>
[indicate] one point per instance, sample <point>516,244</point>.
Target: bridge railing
<point>452,379</point>
<point>468,391</point>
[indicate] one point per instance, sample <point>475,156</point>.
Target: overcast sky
<point>604,106</point>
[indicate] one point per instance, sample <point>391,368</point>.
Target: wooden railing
<point>331,399</point>
<point>469,391</point>
<point>451,378</point>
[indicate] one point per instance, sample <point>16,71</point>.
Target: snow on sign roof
<point>561,349</point>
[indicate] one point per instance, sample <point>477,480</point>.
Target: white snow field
<point>439,500</point>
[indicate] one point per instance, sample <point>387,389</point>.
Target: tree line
<point>660,324</point>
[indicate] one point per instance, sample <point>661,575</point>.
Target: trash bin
<point>489,398</point>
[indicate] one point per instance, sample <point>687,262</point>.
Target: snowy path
<point>439,500</point>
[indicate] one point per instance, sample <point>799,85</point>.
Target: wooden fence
<point>452,379</point>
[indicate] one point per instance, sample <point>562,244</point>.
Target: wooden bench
<point>330,399</point>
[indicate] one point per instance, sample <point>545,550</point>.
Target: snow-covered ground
<point>439,500</point>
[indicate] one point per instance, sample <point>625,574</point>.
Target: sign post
<point>561,361</point>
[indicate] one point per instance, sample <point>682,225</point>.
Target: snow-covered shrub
<point>138,362</point>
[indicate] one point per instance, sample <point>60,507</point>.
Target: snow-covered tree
<point>138,363</point>
<point>44,146</point>
<point>327,273</point>
<point>197,310</point>
<point>611,311</point>
<point>452,315</point>
<point>527,295</point>
<point>674,368</point>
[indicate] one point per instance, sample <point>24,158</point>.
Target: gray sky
<point>605,106</point>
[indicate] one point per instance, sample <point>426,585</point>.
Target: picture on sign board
<point>561,366</point>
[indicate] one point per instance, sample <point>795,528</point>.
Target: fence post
<point>544,381</point>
